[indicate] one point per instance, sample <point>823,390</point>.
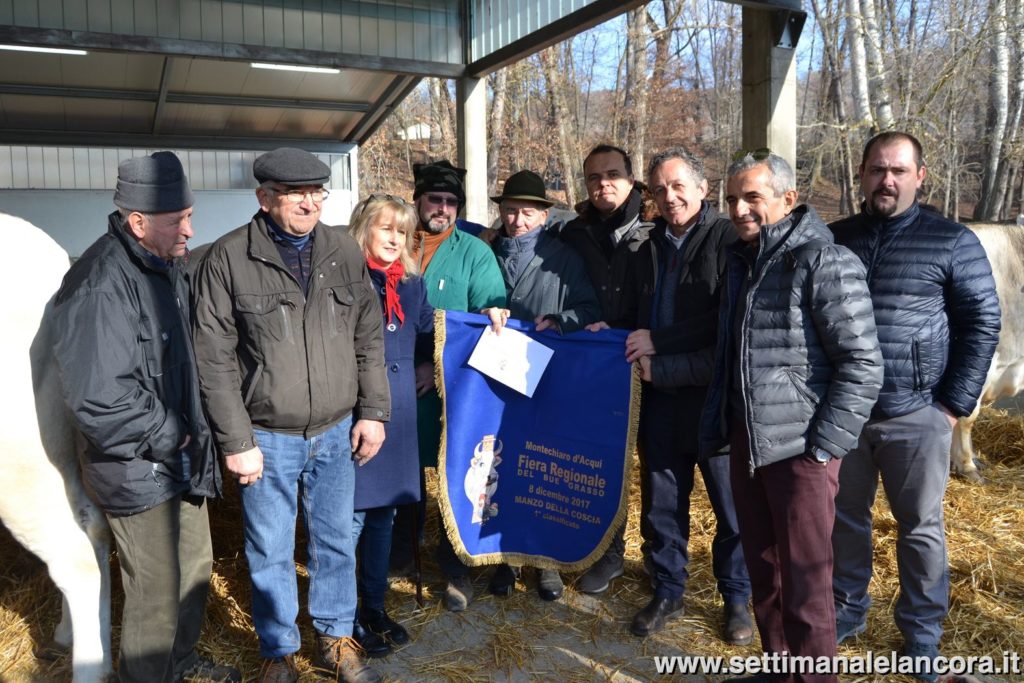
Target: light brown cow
<point>1004,245</point>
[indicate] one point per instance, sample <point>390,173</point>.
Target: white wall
<point>76,218</point>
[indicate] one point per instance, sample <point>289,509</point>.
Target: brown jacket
<point>271,358</point>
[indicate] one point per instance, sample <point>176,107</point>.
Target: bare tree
<point>998,107</point>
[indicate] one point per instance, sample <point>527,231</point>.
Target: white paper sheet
<point>512,358</point>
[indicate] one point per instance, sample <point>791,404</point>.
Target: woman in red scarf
<point>383,226</point>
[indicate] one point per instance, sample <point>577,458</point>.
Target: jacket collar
<point>799,227</point>
<point>262,247</point>
<point>142,257</point>
<point>891,223</point>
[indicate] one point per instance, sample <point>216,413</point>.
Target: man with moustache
<point>679,274</point>
<point>289,345</point>
<point>607,234</point>
<point>797,369</point>
<point>460,273</point>
<point>938,323</point>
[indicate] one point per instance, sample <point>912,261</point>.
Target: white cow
<point>1004,245</point>
<point>42,500</point>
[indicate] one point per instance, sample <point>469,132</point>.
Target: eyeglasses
<point>759,154</point>
<point>297,196</point>
<point>438,200</point>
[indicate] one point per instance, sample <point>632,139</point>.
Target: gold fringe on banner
<point>522,559</point>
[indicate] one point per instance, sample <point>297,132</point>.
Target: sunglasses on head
<point>373,199</point>
<point>759,154</point>
<point>438,200</point>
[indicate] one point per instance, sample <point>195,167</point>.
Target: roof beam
<point>116,42</point>
<point>576,22</point>
<point>178,98</point>
<point>56,138</point>
<point>161,99</point>
<point>381,109</point>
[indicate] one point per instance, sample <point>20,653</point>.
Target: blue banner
<point>538,481</point>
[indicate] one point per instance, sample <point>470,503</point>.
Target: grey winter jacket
<point>554,284</point>
<point>128,373</point>
<point>809,357</point>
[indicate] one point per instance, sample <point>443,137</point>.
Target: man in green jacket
<point>460,274</point>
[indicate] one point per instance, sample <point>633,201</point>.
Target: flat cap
<point>152,184</point>
<point>290,166</point>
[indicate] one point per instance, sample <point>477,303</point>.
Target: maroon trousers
<point>786,512</point>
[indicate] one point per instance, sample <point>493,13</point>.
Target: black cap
<point>290,166</point>
<point>439,176</point>
<point>153,184</point>
<point>525,185</point>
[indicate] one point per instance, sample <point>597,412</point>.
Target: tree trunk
<point>495,127</point>
<point>879,92</point>
<point>997,112</point>
<point>562,123</point>
<point>858,66</point>
<point>1005,174</point>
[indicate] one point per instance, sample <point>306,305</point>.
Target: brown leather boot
<point>343,657</point>
<point>278,670</point>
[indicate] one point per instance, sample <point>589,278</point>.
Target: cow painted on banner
<point>1004,245</point>
<point>43,503</point>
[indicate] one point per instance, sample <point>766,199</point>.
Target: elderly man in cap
<point>290,352</point>
<point>129,379</point>
<point>546,282</point>
<point>460,274</point>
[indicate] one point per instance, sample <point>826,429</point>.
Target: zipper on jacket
<point>743,357</point>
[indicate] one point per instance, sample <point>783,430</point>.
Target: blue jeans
<point>321,470</point>
<point>371,530</point>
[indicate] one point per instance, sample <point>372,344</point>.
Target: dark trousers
<point>166,558</point>
<point>786,512</point>
<point>668,466</point>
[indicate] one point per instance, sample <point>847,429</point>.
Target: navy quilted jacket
<point>935,305</point>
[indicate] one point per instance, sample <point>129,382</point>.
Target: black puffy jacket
<point>935,307</point>
<point>124,350</point>
<point>809,356</point>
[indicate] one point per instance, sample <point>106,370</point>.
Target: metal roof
<point>180,74</point>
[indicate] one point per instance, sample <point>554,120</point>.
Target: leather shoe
<point>549,585</point>
<point>503,580</point>
<point>652,618</point>
<point>378,621</point>
<point>206,669</point>
<point>597,579</point>
<point>278,670</point>
<point>373,645</point>
<point>737,629</point>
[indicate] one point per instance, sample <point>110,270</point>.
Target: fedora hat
<point>524,185</point>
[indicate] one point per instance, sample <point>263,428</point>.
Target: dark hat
<point>153,184</point>
<point>290,166</point>
<point>525,185</point>
<point>439,176</point>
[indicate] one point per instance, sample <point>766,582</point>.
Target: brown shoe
<point>343,657</point>
<point>278,670</point>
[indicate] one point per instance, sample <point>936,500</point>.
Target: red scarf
<point>394,273</point>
